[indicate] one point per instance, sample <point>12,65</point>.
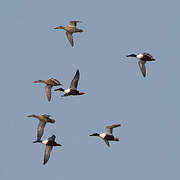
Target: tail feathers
<point>51,121</point>
<point>116,139</point>
<point>57,144</point>
<point>37,141</point>
<point>79,30</point>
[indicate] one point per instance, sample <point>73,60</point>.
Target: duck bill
<point>59,27</point>
<point>37,141</point>
<point>35,81</point>
<point>94,134</point>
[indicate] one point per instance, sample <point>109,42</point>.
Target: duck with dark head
<point>72,90</point>
<point>108,134</point>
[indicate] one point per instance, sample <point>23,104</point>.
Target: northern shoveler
<point>50,142</point>
<point>43,119</point>
<point>108,134</point>
<point>72,90</point>
<point>70,29</point>
<point>143,58</point>
<point>49,84</point>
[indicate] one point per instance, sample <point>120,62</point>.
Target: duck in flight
<point>108,134</point>
<point>143,58</point>
<point>49,84</point>
<point>50,142</point>
<point>43,119</point>
<point>70,29</point>
<point>72,90</point>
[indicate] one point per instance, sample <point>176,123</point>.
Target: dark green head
<point>95,134</point>
<point>59,89</point>
<point>131,55</point>
<point>37,141</point>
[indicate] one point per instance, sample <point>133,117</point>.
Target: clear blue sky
<point>116,91</point>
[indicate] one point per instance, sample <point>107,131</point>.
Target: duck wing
<point>142,67</point>
<point>48,91</point>
<point>47,153</point>
<point>73,23</point>
<point>107,142</point>
<point>46,115</point>
<point>70,38</point>
<point>74,82</point>
<point>109,129</point>
<point>40,129</point>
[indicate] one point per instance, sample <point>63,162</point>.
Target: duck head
<point>131,55</point>
<point>59,27</point>
<point>95,134</point>
<point>37,141</point>
<point>59,89</point>
<point>32,115</point>
<point>38,81</point>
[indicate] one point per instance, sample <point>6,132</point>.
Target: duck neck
<point>35,116</point>
<point>39,81</point>
<point>37,141</point>
<point>59,89</point>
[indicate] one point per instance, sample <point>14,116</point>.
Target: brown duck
<point>70,29</point>
<point>43,119</point>
<point>49,84</point>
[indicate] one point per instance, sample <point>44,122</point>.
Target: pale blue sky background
<point>116,91</point>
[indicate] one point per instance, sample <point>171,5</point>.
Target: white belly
<point>67,91</point>
<point>45,141</point>
<point>102,135</point>
<point>139,56</point>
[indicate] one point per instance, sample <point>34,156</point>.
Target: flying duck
<point>50,142</point>
<point>43,119</point>
<point>49,84</point>
<point>108,134</point>
<point>70,29</point>
<point>72,90</point>
<point>143,57</point>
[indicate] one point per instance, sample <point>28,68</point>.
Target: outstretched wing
<point>47,153</point>
<point>107,142</point>
<point>70,38</point>
<point>74,82</point>
<point>46,115</point>
<point>73,23</point>
<point>142,67</point>
<point>40,129</point>
<point>109,129</point>
<point>48,92</point>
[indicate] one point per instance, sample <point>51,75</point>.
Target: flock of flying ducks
<point>72,90</point>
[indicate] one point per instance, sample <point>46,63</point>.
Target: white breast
<point>102,135</point>
<point>45,141</point>
<point>67,91</point>
<point>139,56</point>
